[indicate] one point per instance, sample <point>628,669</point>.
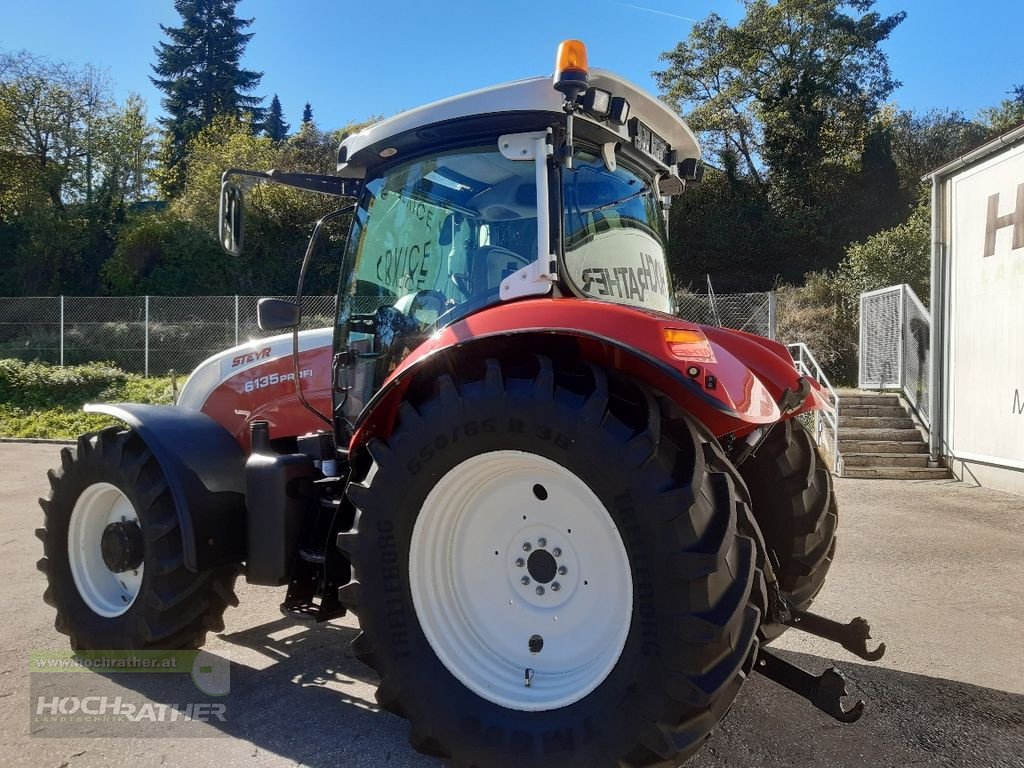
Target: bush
<point>815,314</point>
<point>161,255</point>
<point>40,400</point>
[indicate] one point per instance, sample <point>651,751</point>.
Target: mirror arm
<point>311,182</point>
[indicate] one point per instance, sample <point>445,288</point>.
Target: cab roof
<point>534,94</point>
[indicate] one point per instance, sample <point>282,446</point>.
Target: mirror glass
<point>231,224</point>
<point>276,314</point>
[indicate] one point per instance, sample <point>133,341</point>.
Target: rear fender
<point>726,394</point>
<point>205,472</point>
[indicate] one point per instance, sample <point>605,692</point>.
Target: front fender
<point>205,472</point>
<point>726,393</point>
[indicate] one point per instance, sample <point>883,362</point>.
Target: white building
<point>977,309</point>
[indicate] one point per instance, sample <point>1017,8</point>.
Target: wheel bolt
<point>555,586</point>
<point>542,542</point>
<point>520,562</point>
<point>540,590</point>
<point>526,546</point>
<point>557,552</point>
<point>562,570</point>
<point>525,580</point>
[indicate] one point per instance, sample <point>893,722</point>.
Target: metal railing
<point>895,352</point>
<point>826,423</point>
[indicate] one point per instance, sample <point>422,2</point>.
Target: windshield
<point>431,241</point>
<point>434,237</point>
<point>614,237</point>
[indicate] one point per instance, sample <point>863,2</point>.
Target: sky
<point>353,60</point>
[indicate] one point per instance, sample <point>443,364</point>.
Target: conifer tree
<point>199,69</point>
<point>274,126</point>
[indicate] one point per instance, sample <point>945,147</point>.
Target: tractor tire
<point>794,505</point>
<point>548,571</point>
<point>113,553</point>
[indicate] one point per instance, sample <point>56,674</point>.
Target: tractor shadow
<point>310,702</point>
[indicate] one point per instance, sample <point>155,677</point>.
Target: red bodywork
<point>276,402</point>
<point>749,373</point>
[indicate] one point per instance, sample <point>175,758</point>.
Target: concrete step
<point>890,411</point>
<point>880,446</point>
<point>898,473</point>
<point>885,459</point>
<point>863,398</point>
<point>875,422</point>
<point>851,434</point>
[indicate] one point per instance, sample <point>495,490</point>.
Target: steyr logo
<point>250,357</point>
<point>994,222</point>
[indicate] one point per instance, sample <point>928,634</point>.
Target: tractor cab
<point>541,187</point>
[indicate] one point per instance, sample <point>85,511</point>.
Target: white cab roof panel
<point>534,94</point>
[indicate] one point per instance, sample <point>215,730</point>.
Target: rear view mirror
<point>276,314</point>
<point>230,221</point>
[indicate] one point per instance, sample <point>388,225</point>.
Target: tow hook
<point>853,636</point>
<point>824,691</point>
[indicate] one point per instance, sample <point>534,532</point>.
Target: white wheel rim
<point>106,593</point>
<point>467,564</point>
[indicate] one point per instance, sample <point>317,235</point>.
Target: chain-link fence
<point>139,334</point>
<point>895,333</point>
<point>155,334</point>
<point>751,312</point>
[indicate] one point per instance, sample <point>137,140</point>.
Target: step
<point>898,473</point>
<point>875,422</point>
<point>867,399</point>
<point>850,434</point>
<point>890,411</point>
<point>885,459</point>
<point>880,446</point>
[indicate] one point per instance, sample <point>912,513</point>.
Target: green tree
<point>307,114</point>
<point>274,126</point>
<point>786,102</point>
<point>199,70</point>
<point>791,88</point>
<point>1003,117</point>
<point>62,175</point>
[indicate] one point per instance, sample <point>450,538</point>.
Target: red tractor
<point>567,520</point>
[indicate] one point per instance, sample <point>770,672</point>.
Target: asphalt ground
<point>936,566</point>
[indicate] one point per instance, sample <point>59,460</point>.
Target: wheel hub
<point>542,566</point>
<point>121,546</point>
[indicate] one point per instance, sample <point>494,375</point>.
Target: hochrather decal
<point>994,222</point>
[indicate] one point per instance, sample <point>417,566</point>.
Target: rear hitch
<point>853,636</point>
<point>824,691</point>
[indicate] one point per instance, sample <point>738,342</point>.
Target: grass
<point>42,400</point>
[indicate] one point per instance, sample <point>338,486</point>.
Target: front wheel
<point>113,553</point>
<point>549,573</point>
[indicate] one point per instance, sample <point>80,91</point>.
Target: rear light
<point>686,344</point>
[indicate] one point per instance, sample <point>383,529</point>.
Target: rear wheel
<point>113,553</point>
<point>795,507</point>
<point>549,572</point>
